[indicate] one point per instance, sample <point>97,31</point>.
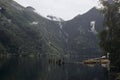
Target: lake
<point>19,68</point>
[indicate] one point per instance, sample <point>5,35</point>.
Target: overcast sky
<point>66,9</point>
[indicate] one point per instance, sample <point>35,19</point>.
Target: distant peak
<point>91,11</point>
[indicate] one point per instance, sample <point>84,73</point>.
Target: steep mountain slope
<point>82,33</point>
<point>22,31</point>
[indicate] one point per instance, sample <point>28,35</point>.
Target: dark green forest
<point>110,37</point>
<point>22,31</point>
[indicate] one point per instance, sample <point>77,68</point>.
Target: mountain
<point>22,31</point>
<point>83,33</point>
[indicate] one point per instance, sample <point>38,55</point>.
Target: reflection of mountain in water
<point>37,69</point>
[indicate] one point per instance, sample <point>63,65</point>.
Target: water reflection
<point>17,68</point>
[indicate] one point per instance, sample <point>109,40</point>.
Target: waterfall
<point>60,24</point>
<point>92,24</point>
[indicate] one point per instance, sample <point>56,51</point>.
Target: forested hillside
<point>22,31</point>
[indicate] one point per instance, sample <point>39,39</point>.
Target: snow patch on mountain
<point>34,23</point>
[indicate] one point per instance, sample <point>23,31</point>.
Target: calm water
<point>38,69</point>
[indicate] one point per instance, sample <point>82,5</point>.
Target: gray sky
<point>66,9</point>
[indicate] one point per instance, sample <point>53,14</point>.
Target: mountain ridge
<point>26,32</point>
<point>80,34</point>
